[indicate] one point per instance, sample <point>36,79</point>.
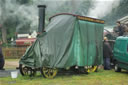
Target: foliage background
<point>22,15</point>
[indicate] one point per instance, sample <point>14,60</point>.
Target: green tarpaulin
<point>68,41</point>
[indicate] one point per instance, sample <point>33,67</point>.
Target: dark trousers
<point>1,63</point>
<point>107,63</point>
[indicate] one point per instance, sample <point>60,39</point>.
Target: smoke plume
<point>102,7</point>
<point>27,14</point>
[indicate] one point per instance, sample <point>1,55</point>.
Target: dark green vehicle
<point>121,53</point>
<point>69,41</point>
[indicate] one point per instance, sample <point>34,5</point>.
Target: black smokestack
<point>41,18</point>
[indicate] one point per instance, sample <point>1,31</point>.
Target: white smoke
<point>29,12</point>
<point>102,7</point>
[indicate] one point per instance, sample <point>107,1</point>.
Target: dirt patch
<point>11,64</point>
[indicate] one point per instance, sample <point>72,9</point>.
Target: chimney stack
<point>41,18</point>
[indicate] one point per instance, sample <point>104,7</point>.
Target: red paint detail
<point>25,41</point>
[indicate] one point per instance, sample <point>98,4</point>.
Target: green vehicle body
<point>121,52</point>
<point>73,41</point>
<point>69,42</point>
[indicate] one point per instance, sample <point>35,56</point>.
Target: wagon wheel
<point>26,71</point>
<point>49,72</point>
<point>92,69</point>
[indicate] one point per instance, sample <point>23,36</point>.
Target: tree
<point>9,20</point>
<point>3,18</point>
<point>117,13</point>
<point>24,1</point>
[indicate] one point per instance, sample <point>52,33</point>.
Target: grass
<point>101,77</point>
<point>98,78</point>
<point>11,59</point>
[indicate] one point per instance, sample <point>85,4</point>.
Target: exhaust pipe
<point>41,18</point>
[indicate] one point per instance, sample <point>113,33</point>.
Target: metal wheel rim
<point>49,72</point>
<point>92,69</point>
<point>26,71</point>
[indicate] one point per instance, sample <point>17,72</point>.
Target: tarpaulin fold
<point>67,42</point>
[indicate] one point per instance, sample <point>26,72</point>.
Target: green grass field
<point>97,78</point>
<point>101,77</point>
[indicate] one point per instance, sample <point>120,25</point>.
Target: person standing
<point>120,28</point>
<point>1,58</point>
<point>107,52</point>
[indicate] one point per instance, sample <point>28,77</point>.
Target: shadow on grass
<point>124,72</point>
<point>59,74</point>
<point>69,74</point>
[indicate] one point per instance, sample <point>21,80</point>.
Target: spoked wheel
<point>92,69</point>
<point>26,71</point>
<point>49,72</point>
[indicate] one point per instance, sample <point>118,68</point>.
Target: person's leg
<point>105,64</point>
<point>108,63</point>
<point>2,63</point>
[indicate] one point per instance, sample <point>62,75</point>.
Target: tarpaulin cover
<point>67,42</point>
